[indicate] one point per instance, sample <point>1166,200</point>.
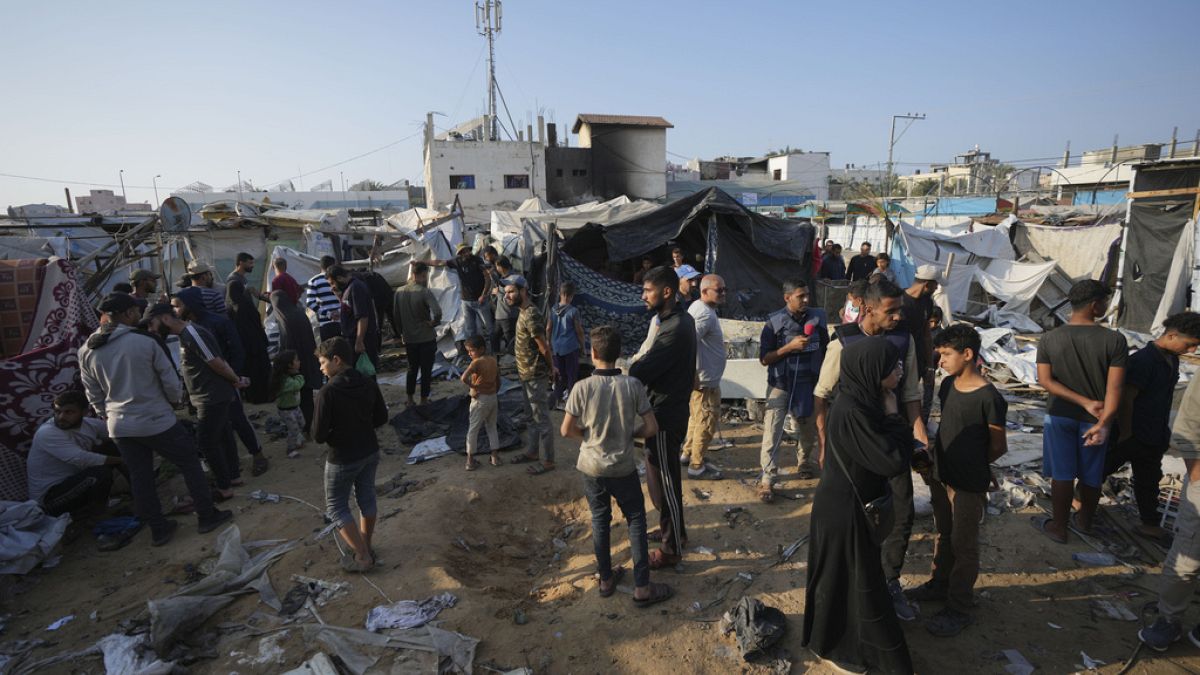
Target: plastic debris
<point>1054,625</point>
<point>408,613</point>
<point>323,591</point>
<point>1113,610</point>
<point>61,622</point>
<point>1017,664</point>
<point>703,550</point>
<point>1089,663</point>
<point>428,449</point>
<point>263,496</point>
<point>1094,559</point>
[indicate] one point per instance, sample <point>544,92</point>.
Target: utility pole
<point>155,181</point>
<point>121,176</point>
<point>240,198</point>
<point>892,142</point>
<point>488,15</point>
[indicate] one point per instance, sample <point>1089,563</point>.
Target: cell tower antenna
<point>488,19</point>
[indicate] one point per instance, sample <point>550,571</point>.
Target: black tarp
<point>449,417</point>
<point>753,253</point>
<point>1154,229</point>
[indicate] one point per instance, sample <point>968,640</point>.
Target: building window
<point>462,182</point>
<point>778,174</point>
<point>516,181</point>
<point>579,173</point>
<point>558,173</point>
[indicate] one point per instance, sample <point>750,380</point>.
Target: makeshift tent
<point>44,317</point>
<point>754,253</point>
<point>1155,262</point>
<point>1081,252</point>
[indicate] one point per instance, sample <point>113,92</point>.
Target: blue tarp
<point>1101,197</point>
<point>962,206</point>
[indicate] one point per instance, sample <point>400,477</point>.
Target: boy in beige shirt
<point>483,377</point>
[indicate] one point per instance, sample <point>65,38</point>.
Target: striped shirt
<point>214,300</point>
<point>321,299</point>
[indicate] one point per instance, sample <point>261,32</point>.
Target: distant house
<point>483,174</point>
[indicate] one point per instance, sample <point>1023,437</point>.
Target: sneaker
<point>905,611</point>
<point>705,472</point>
<point>1162,633</point>
<point>684,458</point>
<point>806,472</point>
<point>163,536</point>
<point>215,520</point>
<point>948,623</point>
<point>928,591</point>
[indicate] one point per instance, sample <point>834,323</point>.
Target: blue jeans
<point>340,479</point>
<point>627,490</point>
<point>477,319</point>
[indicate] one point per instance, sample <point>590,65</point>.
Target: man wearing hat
<point>201,276</point>
<point>917,305</point>
<point>535,369</point>
<point>132,384</point>
<point>145,287</point>
<point>476,286</point>
<point>689,285</point>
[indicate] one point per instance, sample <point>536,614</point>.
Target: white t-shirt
<point>609,407</point>
<point>710,345</point>
<point>57,454</point>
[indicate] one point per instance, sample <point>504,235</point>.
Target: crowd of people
<point>857,391</point>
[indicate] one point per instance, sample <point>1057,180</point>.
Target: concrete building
<point>628,154</point>
<point>105,202</point>
<point>389,201</point>
<point>484,175</point>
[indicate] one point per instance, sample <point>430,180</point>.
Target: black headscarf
<point>244,315</point>
<point>858,428</point>
<point>296,333</point>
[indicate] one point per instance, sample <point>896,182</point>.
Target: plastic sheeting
<point>27,535</point>
<point>1174,299</point>
<point>1155,226</point>
<point>1014,283</point>
<point>1081,252</point>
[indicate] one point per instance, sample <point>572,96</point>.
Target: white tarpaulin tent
<point>506,224</point>
<point>1080,251</point>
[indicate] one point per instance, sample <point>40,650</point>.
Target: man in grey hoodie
<point>133,386</point>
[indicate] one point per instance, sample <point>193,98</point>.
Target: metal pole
<point>121,175</point>
<point>155,182</point>
<point>239,174</point>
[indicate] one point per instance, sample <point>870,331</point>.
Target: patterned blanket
<point>20,287</point>
<point>62,320</point>
<point>603,300</point>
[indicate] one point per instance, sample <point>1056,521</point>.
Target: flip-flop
<point>538,469</point>
<point>522,459</point>
<point>1039,524</point>
<point>658,593</point>
<point>660,560</point>
<point>350,564</point>
<point>618,573</point>
<point>1073,523</point>
<point>496,460</point>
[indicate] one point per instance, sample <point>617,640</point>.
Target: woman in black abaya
<point>296,333</point>
<point>848,613</point>
<point>257,365</point>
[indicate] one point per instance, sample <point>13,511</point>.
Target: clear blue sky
<point>200,90</point>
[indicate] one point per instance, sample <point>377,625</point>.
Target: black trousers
<point>177,446</point>
<point>243,428</point>
<point>663,482</point>
<point>214,435</point>
<point>330,330</point>
<point>420,358</point>
<point>88,488</point>
<point>1146,461</point>
<point>895,547</point>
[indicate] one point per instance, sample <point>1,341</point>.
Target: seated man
<point>72,459</point>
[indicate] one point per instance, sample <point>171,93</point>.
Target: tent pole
<point>1115,308</point>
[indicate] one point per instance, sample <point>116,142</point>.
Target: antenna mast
<point>488,15</point>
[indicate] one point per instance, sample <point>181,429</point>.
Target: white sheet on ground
<point>27,535</point>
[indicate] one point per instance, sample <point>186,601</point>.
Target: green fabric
<point>289,392</point>
<point>364,365</point>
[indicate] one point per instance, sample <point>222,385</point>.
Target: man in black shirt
<point>668,370</point>
<point>917,306</point>
<point>476,286</point>
<point>862,264</point>
<point>833,267</point>
<point>1143,429</point>
<point>1082,366</point>
<point>360,323</point>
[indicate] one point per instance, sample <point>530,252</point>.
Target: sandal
<point>1039,524</point>
<point>617,575</point>
<point>472,464</point>
<point>496,459</point>
<point>260,465</point>
<point>660,560</point>
<point>1073,523</point>
<point>539,469</point>
<point>351,564</point>
<point>523,459</point>
<point>765,494</point>
<point>658,593</point>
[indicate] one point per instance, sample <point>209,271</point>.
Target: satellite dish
<point>175,214</point>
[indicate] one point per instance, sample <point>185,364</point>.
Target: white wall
<point>489,162</point>
<point>810,169</point>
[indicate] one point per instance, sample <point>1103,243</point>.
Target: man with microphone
<point>792,347</point>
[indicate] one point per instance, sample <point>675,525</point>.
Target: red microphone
<point>810,326</point>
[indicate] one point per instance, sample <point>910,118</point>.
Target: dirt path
<point>511,545</point>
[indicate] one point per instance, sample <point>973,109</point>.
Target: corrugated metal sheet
<point>622,120</point>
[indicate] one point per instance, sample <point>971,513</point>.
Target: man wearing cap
<point>476,287</point>
<point>132,384</point>
<point>200,275</point>
<point>212,386</point>
<point>145,287</point>
<point>689,285</point>
<point>917,305</point>
<point>359,320</point>
<point>535,369</point>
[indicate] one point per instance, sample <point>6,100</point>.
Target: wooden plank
<point>1176,192</point>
